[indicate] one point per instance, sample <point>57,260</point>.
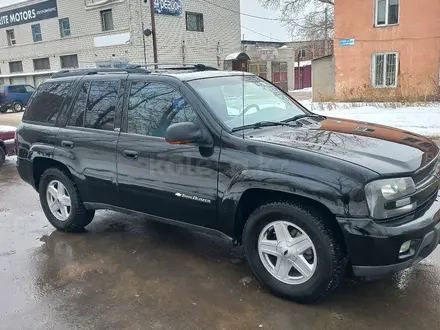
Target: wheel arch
<point>41,164</point>
<point>251,189</point>
<point>252,198</point>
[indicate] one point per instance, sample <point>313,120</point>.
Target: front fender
<point>339,195</point>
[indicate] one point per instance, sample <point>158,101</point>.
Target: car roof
<point>182,74</point>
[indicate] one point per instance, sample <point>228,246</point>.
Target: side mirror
<point>188,133</point>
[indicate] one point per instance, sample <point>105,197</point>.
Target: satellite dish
<point>147,32</point>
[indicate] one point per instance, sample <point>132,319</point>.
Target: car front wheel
<point>293,251</point>
<point>61,201</point>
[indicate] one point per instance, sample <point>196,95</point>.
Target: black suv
<point>308,197</point>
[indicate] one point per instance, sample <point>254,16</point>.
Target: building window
<point>385,69</point>
<point>10,35</point>
<point>69,61</point>
<point>16,66</point>
<point>64,27</point>
<point>302,53</point>
<point>107,20</point>
<point>387,12</point>
<point>36,32</point>
<point>194,22</point>
<point>42,64</point>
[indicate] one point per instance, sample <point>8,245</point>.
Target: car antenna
<point>242,110</point>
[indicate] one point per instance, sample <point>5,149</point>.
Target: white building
<point>39,37</point>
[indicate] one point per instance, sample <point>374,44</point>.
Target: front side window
<point>385,70</point>
<point>29,89</point>
<point>155,106</point>
<point>64,27</point>
<point>194,22</point>
<point>387,12</point>
<point>47,102</point>
<point>107,20</point>
<point>101,105</point>
<point>238,100</point>
<point>36,32</point>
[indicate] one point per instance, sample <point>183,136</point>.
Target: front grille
<point>425,173</point>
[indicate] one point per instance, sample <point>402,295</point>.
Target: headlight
<point>388,198</point>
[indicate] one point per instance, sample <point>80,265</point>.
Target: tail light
<point>5,94</point>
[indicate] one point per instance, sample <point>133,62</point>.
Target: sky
<point>252,28</point>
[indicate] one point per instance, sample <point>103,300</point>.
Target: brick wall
<point>416,38</point>
<point>221,35</point>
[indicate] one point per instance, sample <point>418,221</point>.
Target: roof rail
<point>92,71</point>
<point>175,67</point>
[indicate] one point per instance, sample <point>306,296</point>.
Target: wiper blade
<point>261,124</point>
<point>303,116</point>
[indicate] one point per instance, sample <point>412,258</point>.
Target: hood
<point>382,149</point>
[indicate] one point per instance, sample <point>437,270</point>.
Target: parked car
<point>7,142</point>
<point>14,97</point>
<point>308,196</point>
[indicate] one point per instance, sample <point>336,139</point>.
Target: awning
<point>237,56</point>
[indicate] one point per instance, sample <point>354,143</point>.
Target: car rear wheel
<point>293,251</point>
<point>2,156</point>
<point>61,201</point>
<point>17,107</point>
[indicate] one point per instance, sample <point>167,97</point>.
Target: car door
<point>87,143</point>
<point>16,93</point>
<point>177,182</point>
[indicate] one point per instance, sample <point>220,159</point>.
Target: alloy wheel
<point>287,252</point>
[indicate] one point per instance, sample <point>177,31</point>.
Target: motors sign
<point>37,12</point>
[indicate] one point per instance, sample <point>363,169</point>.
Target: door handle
<point>67,144</point>
<point>130,154</point>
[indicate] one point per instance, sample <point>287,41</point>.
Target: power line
<point>238,12</point>
<point>261,34</point>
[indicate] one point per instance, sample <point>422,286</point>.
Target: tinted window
<point>153,107</point>
<point>101,105</point>
<point>79,106</point>
<point>47,102</point>
<point>16,89</point>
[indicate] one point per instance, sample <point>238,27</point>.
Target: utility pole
<point>326,32</point>
<point>153,30</point>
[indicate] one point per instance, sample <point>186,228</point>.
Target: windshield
<point>262,101</point>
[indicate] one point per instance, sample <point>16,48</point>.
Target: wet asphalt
<point>127,272</point>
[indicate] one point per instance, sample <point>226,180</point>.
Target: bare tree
<point>306,19</point>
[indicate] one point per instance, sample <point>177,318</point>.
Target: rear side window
<point>47,102</point>
<point>16,89</point>
<point>101,105</point>
<point>79,106</point>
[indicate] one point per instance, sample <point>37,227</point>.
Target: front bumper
<point>374,247</point>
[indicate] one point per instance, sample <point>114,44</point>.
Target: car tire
<point>2,156</point>
<point>57,188</point>
<point>17,107</point>
<point>304,277</point>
